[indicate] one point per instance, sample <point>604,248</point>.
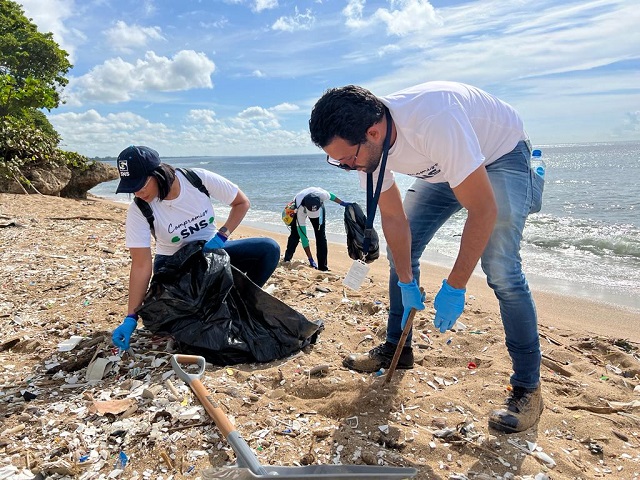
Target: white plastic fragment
<point>69,344</point>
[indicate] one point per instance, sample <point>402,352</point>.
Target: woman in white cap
<point>174,206</point>
<point>309,203</point>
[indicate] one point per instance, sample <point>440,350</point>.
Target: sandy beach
<point>65,273</point>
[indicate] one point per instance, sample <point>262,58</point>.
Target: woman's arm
<point>239,208</point>
<point>139,277</point>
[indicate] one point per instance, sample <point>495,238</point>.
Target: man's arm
<point>476,195</point>
<point>396,231</point>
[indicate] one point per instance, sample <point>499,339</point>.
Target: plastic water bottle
<point>537,164</point>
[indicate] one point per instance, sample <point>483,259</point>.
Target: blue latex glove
<point>121,335</point>
<point>345,204</point>
<point>216,242</point>
<point>313,263</point>
<point>412,297</point>
<point>449,304</point>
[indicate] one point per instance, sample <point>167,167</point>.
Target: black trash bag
<point>355,222</point>
<point>212,309</point>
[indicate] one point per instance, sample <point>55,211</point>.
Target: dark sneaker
<point>379,357</point>
<point>523,410</point>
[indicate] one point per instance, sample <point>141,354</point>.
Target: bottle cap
<point>536,153</point>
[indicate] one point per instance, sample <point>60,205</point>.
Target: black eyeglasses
<point>342,165</point>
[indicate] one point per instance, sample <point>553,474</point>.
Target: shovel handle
<point>212,408</point>
<point>245,457</point>
<point>202,394</point>
<point>178,360</point>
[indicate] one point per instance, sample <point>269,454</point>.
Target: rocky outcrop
<point>62,181</point>
<point>83,181</point>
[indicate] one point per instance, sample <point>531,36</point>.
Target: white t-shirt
<point>187,218</point>
<point>446,130</point>
<point>302,211</point>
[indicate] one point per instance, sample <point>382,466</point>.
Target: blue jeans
<point>255,257</point>
<point>518,192</point>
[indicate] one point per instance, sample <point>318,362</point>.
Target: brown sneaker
<point>379,357</point>
<point>523,410</point>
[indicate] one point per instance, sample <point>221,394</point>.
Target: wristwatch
<point>224,231</point>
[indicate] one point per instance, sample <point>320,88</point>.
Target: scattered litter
<point>69,344</point>
<point>112,406</point>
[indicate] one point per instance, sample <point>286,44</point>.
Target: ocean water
<point>585,242</point>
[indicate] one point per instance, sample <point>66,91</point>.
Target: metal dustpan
<point>248,467</point>
<point>324,472</point>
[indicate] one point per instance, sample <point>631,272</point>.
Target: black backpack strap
<point>147,212</point>
<point>194,179</point>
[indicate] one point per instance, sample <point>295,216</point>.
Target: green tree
<point>32,77</point>
<point>32,65</point>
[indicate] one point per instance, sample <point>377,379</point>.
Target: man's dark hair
<point>345,112</point>
<point>165,174</point>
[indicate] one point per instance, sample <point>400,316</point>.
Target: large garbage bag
<point>214,310</point>
<point>355,222</point>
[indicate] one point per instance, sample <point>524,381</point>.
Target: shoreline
<point>537,283</point>
<point>576,312</point>
<point>554,310</point>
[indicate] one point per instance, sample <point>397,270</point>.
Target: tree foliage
<point>32,65</point>
<point>23,146</point>
<point>32,77</point>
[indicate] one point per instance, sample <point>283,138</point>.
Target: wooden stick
<point>398,352</point>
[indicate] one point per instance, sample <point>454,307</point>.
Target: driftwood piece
<point>547,362</point>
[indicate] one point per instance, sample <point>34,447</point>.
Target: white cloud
<point>285,107</point>
<point>125,37</point>
<point>117,80</point>
<point>405,17</point>
<point>632,121</point>
<point>353,12</point>
<point>410,16</point>
<point>299,21</point>
<point>255,130</point>
<point>261,5</point>
<point>258,74</point>
<point>202,116</point>
<point>50,16</point>
<point>109,134</point>
<point>259,117</point>
<point>500,43</point>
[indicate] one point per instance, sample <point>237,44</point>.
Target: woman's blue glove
<point>313,263</point>
<point>121,335</point>
<point>412,297</point>
<point>449,304</point>
<point>216,242</point>
<point>345,204</point>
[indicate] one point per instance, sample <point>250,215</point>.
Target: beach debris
<point>287,412</point>
<point>319,370</point>
<point>535,451</point>
<point>70,343</point>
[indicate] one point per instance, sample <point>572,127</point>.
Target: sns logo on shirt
<point>186,229</point>
<point>428,173</point>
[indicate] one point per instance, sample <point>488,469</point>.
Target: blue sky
<point>239,77</point>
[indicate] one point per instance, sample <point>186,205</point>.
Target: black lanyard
<point>372,198</point>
